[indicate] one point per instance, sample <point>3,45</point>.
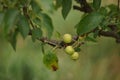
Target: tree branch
<point>60,43</point>
<point>84,6</point>
<point>110,34</point>
<point>27,16</point>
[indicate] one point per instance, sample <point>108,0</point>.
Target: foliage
<point>51,61</point>
<point>28,18</point>
<point>89,23</point>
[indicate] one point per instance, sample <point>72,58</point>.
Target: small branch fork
<point>59,44</point>
<point>84,8</point>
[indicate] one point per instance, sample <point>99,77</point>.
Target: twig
<point>110,34</point>
<point>84,6</point>
<point>58,43</point>
<point>27,16</point>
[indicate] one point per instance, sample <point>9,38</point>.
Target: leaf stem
<point>28,17</point>
<point>54,48</point>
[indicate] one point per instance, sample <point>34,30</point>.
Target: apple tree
<point>27,17</point>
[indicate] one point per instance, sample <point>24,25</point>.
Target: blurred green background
<point>98,61</point>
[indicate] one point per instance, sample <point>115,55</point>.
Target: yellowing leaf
<point>51,61</point>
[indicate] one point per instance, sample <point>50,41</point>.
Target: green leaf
<point>1,17</point>
<point>23,26</point>
<point>112,10</point>
<point>77,49</point>
<point>37,21</point>
<point>51,61</point>
<point>12,38</point>
<point>66,7</point>
<point>35,6</point>
<point>89,22</point>
<point>47,23</point>
<point>59,3</point>
<point>58,35</point>
<point>88,38</point>
<point>36,33</point>
<point>103,11</point>
<point>113,7</point>
<point>96,4</point>
<point>10,19</point>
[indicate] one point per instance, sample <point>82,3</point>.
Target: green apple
<point>69,50</point>
<point>67,38</point>
<point>75,56</point>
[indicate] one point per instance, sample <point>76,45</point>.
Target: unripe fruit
<point>69,50</point>
<point>75,56</point>
<point>67,38</point>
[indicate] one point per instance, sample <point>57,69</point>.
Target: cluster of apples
<point>67,38</point>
